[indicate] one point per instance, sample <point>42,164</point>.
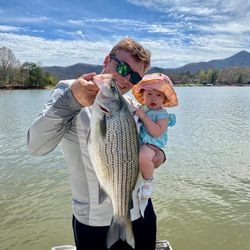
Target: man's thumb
<point>88,76</point>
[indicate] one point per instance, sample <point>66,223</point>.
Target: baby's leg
<point>146,164</point>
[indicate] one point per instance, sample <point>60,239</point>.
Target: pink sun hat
<point>159,82</point>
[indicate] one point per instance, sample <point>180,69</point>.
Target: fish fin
<point>102,195</point>
<point>129,234</point>
<point>120,229</point>
<point>103,126</point>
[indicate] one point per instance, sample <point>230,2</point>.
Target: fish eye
<point>112,87</point>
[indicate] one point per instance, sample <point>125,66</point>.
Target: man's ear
<point>106,60</point>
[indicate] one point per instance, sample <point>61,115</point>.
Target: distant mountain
<point>241,59</point>
<point>73,71</point>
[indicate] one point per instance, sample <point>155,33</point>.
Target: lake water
<point>202,193</point>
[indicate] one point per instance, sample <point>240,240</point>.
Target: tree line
<point>26,75</point>
<point>230,76</point>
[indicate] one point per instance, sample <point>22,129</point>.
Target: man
<point>65,120</point>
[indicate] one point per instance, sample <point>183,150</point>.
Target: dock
<point>163,245</point>
<point>160,245</point>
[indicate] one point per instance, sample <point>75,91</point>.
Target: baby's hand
<point>140,113</point>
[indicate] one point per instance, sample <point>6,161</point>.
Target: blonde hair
<point>139,53</point>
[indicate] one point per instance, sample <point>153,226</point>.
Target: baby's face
<point>153,99</point>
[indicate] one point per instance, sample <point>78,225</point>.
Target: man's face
<point>110,68</point>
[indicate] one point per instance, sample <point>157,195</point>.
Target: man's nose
<point>127,77</point>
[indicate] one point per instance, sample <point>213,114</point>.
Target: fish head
<point>109,99</point>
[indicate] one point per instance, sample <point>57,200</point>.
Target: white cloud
<point>196,7</point>
<point>75,22</point>
<point>55,52</point>
<point>73,34</point>
<point>112,21</point>
<point>240,7</point>
<point>232,26</point>
<point>135,25</point>
<point>165,53</point>
<point>6,28</point>
<point>26,20</point>
<point>38,31</point>
<point>231,32</point>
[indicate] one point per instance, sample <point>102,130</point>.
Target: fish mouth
<point>103,109</point>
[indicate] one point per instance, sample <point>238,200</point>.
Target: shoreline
<point>17,87</point>
<point>20,87</point>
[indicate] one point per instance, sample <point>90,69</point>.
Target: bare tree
<point>8,65</point>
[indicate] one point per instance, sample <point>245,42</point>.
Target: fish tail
<point>120,229</point>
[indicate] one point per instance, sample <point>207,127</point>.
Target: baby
<point>154,92</point>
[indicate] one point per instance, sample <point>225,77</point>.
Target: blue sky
<point>51,32</point>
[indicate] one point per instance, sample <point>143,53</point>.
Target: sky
<point>177,32</point>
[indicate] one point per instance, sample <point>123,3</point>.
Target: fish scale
<point>120,154</point>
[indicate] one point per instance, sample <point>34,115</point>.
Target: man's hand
<point>84,89</point>
<point>99,80</point>
<point>159,157</point>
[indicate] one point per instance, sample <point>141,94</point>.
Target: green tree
<point>240,77</point>
<point>8,66</point>
<point>50,80</point>
<point>202,76</point>
<point>32,75</point>
<point>212,75</point>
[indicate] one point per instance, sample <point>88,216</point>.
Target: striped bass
<point>114,151</point>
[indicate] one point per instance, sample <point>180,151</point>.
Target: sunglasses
<point>124,69</point>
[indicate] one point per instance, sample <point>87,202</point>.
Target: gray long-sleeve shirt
<point>65,121</point>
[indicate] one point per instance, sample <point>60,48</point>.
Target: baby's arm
<point>155,129</point>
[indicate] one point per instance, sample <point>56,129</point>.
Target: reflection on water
<point>202,194</point>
